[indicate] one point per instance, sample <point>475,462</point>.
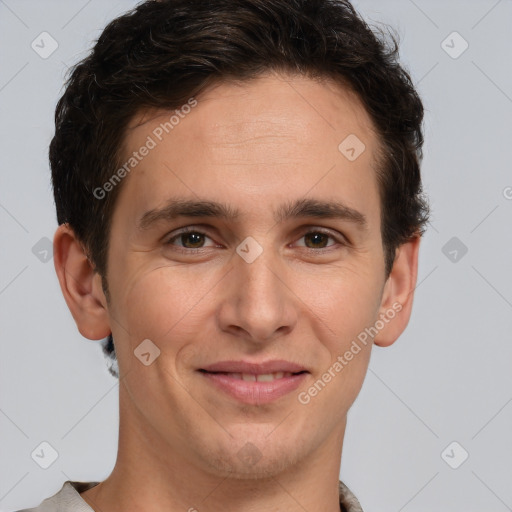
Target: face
<point>282,264</point>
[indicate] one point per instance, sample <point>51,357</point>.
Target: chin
<point>248,454</point>
<point>248,466</point>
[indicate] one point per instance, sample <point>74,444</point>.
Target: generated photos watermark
<point>368,333</point>
<point>151,142</point>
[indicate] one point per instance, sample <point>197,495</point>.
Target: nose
<point>258,302</point>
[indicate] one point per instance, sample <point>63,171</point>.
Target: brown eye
<point>318,240</point>
<point>188,239</point>
<point>195,240</point>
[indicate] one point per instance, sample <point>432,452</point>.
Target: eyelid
<point>187,229</point>
<point>335,235</point>
<point>338,237</point>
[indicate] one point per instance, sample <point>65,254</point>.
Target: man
<point>239,203</point>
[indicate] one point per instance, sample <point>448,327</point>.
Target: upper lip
<point>254,368</point>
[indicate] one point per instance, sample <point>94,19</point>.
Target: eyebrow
<point>310,208</point>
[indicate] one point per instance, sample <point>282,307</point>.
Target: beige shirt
<point>68,499</point>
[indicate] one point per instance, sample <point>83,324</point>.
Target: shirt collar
<point>348,501</point>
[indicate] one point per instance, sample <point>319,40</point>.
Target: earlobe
<point>80,285</point>
<point>397,298</point>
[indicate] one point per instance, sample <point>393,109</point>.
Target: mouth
<point>255,383</point>
<point>255,377</point>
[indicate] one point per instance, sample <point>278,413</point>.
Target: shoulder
<point>67,499</point>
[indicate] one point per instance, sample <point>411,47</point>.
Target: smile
<point>255,389</point>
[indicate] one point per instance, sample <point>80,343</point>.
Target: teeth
<point>264,377</point>
<point>268,377</point>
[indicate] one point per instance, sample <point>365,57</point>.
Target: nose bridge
<point>255,269</point>
<point>259,301</point>
<point>258,276</point>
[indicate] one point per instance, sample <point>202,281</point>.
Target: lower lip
<point>255,392</point>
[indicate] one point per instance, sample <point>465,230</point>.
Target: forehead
<point>275,135</point>
<point>278,104</point>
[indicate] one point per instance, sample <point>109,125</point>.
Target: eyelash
<point>339,240</point>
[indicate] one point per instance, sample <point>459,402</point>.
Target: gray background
<point>448,378</point>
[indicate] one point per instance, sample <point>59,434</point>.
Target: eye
<point>189,239</point>
<point>318,239</point>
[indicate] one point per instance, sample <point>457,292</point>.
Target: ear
<point>80,285</point>
<point>398,294</point>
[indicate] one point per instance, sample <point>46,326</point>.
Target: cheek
<point>345,306</point>
<point>345,301</point>
<point>166,305</point>
<point>343,313</point>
